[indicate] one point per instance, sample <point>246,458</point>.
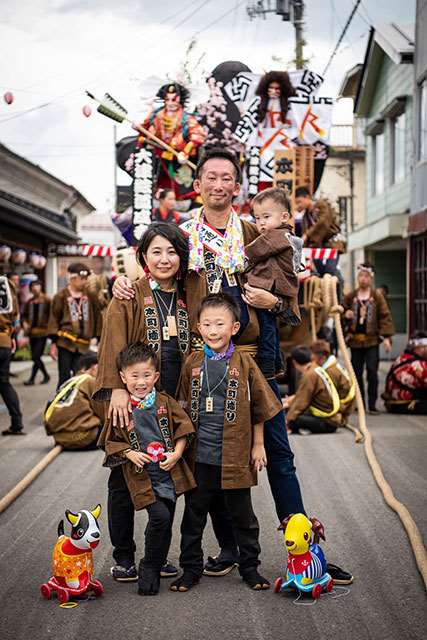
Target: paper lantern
<point>87,110</point>
<point>19,256</point>
<point>5,253</point>
<point>8,97</point>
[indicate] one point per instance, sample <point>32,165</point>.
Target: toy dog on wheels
<point>72,563</point>
<point>306,570</point>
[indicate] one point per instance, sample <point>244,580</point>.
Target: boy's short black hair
<point>134,353</point>
<point>78,268</point>
<point>276,194</point>
<point>302,192</point>
<point>224,154</point>
<point>301,354</point>
<point>214,300</point>
<point>321,348</point>
<point>87,361</point>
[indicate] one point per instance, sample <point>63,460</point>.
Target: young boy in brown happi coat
<point>151,455</point>
<point>274,259</point>
<point>228,400</point>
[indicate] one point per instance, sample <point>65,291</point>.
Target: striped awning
<point>97,251</point>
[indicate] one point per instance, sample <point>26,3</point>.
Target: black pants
<point>369,356</point>
<point>419,409</point>
<point>68,362</point>
<point>197,504</point>
<point>158,533</point>
<point>121,514</point>
<point>37,349</point>
<point>7,392</point>
<point>313,423</point>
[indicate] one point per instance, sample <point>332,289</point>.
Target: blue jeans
<point>269,358</point>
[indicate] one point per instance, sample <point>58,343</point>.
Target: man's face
<point>217,183</point>
<point>364,279</point>
<point>302,203</point>
<point>172,102</point>
<point>36,289</point>
<point>77,281</point>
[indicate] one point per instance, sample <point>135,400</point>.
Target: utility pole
<point>291,11</point>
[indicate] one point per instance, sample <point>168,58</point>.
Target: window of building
<point>423,120</point>
<point>398,137</point>
<point>378,164</point>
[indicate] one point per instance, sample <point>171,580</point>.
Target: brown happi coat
<point>320,233</point>
<point>342,385</point>
<point>311,391</point>
<point>196,289</point>
<point>37,328</point>
<point>135,320</point>
<point>379,323</point>
<point>61,321</point>
<point>8,321</point>
<point>115,440</point>
<point>75,423</point>
<point>249,401</point>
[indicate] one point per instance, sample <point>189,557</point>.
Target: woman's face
<point>162,260</point>
<point>169,201</point>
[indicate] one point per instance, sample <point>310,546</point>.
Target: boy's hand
<point>258,457</point>
<point>171,460</point>
<point>123,288</point>
<point>138,458</point>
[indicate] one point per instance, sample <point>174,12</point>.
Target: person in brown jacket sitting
<point>368,323</point>
<point>316,405</point>
<point>274,259</point>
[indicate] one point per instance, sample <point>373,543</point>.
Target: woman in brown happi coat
<point>156,316</point>
<point>35,319</point>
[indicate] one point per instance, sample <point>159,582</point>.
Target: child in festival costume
<point>274,260</point>
<point>228,400</point>
<point>159,424</point>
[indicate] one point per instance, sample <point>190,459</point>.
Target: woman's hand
<point>120,408</point>
<point>258,457</point>
<point>259,298</point>
<point>138,458</point>
<point>123,288</point>
<point>171,460</point>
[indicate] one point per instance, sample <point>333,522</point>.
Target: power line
<point>211,24</point>
<point>344,31</point>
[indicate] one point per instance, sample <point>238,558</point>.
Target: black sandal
<point>255,581</point>
<point>185,582</point>
<point>148,581</point>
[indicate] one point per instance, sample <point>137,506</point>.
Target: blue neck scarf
<point>144,403</point>
<point>213,355</point>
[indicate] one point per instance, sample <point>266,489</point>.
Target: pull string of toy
<point>330,300</point>
<point>301,602</point>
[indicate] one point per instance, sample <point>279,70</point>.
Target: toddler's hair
<point>277,195</point>
<point>134,353</point>
<point>220,300</point>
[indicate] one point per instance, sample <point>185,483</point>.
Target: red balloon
<point>87,110</point>
<point>8,97</point>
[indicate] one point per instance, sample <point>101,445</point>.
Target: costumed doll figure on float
<point>306,569</point>
<point>72,562</point>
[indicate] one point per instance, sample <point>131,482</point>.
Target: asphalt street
<point>386,601</point>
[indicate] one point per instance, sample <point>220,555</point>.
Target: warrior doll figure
<point>180,130</point>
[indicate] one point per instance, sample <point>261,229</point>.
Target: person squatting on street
<point>228,400</point>
<point>368,322</point>
<point>9,323</point>
<point>35,318</point>
<point>75,318</point>
<point>406,382</point>
<point>73,418</point>
<point>153,483</point>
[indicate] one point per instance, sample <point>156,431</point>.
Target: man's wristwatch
<point>278,307</point>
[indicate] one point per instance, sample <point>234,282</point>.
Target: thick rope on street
<point>330,287</point>
<point>19,488</point>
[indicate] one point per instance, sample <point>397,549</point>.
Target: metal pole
<point>115,168</point>
<point>298,22</point>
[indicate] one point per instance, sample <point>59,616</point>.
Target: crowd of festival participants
<point>188,357</point>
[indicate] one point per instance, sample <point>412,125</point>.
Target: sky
<point>51,51</point>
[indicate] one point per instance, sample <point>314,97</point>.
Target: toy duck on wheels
<point>306,570</point>
<point>72,561</point>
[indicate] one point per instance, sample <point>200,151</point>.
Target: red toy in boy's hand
<point>156,451</point>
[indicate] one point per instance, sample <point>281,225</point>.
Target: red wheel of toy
<point>97,588</point>
<point>63,595</point>
<point>277,584</point>
<point>329,586</point>
<point>316,591</point>
<point>46,591</point>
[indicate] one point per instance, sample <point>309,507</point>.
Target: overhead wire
<point>343,32</point>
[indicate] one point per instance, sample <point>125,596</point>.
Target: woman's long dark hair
<point>170,232</point>
<point>286,91</point>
